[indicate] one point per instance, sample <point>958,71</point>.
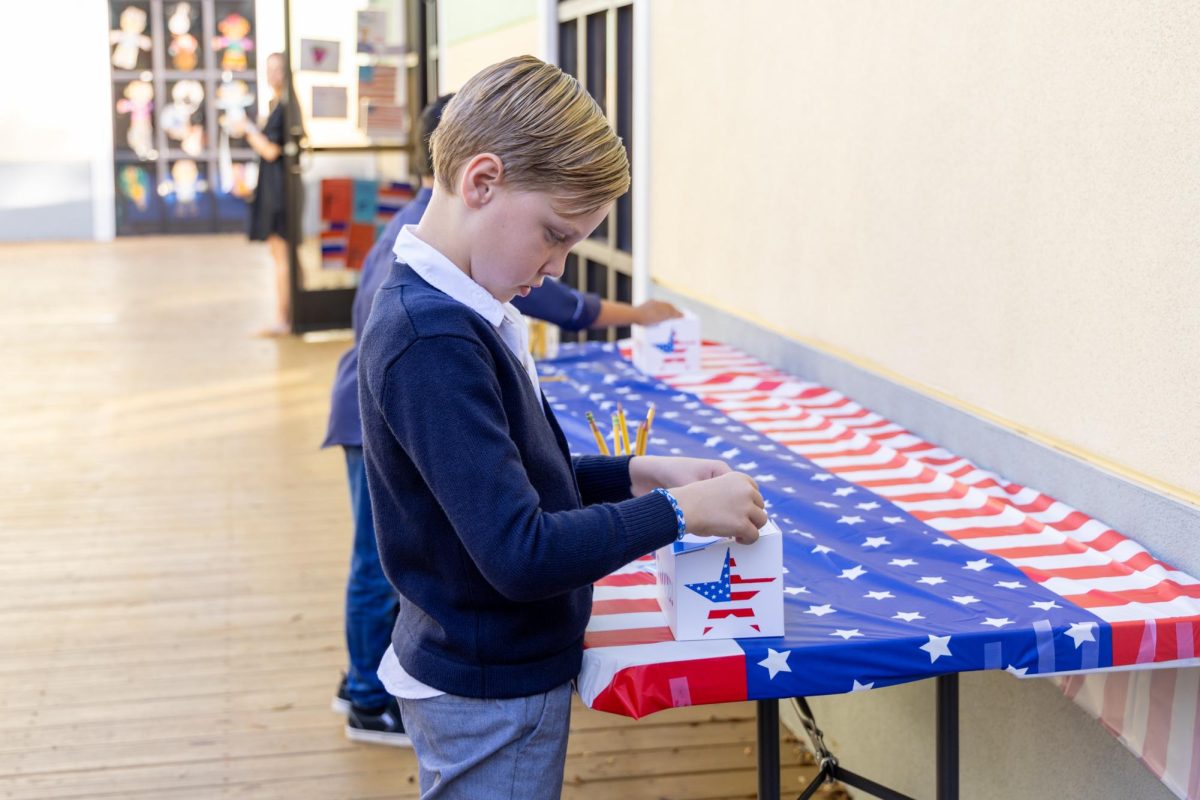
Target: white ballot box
<point>669,347</point>
<point>715,588</point>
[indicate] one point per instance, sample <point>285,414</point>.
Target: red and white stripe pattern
<point>640,655</point>
<point>1153,608</point>
<point>1155,714</point>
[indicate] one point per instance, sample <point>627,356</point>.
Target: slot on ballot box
<point>715,588</point>
<point>668,348</point>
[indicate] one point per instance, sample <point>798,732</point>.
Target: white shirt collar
<point>441,273</point>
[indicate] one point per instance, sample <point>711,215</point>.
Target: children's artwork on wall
<point>184,189</point>
<point>183,44</point>
<point>393,195</point>
<point>319,55</point>
<point>234,42</point>
<point>352,214</point>
<point>329,102</point>
<point>359,242</point>
<point>244,181</point>
<point>377,83</point>
<point>130,38</point>
<point>134,184</point>
<point>364,201</point>
<point>235,178</point>
<point>384,120</point>
<point>138,206</point>
<point>336,199</point>
<point>138,102</point>
<point>178,118</point>
<point>233,98</point>
<point>183,97</point>
<point>231,196</point>
<point>372,32</point>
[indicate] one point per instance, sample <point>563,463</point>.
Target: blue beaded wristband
<point>678,512</point>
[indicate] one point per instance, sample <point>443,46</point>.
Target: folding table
<point>901,561</point>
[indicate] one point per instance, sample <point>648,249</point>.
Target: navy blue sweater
<point>488,528</point>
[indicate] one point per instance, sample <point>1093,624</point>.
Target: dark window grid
<point>571,277</point>
<point>624,121</point>
<point>598,50</point>
<point>599,281</point>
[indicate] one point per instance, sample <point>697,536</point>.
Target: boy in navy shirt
<point>372,715</point>
<point>489,529</point>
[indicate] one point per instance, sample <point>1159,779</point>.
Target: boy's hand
<point>647,473</point>
<point>727,505</point>
<point>652,312</point>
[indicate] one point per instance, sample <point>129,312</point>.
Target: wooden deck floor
<point>173,550</point>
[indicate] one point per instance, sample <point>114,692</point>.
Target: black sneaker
<point>382,726</point>
<point>341,701</point>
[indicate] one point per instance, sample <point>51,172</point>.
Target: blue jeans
<point>371,602</point>
<point>470,749</point>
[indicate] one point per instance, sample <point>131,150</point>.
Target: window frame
<point>619,265</point>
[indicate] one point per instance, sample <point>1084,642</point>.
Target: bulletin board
<point>182,71</point>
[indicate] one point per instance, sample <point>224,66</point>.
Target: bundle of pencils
<point>620,434</point>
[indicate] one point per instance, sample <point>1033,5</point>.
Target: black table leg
<point>768,750</point>
<point>947,737</point>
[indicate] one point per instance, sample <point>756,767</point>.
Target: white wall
<point>474,34</point>
<point>56,141</point>
<point>994,203</point>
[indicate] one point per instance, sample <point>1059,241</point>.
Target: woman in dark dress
<point>268,212</point>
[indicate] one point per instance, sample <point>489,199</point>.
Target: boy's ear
<point>480,179</point>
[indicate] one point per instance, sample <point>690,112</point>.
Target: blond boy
<point>489,529</point>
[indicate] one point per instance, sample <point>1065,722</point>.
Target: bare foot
<point>274,331</point>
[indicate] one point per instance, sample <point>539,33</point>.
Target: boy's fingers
<point>758,517</point>
<point>748,479</point>
<point>749,535</point>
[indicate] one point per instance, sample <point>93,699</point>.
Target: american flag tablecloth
<point>902,561</point>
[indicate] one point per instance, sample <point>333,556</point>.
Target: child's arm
<point>560,305</point>
<point>611,479</point>
<point>442,402</point>
<point>613,313</point>
<point>603,479</point>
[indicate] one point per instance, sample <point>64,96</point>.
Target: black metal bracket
<point>831,770</point>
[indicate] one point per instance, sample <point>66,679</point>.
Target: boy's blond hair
<point>548,132</point>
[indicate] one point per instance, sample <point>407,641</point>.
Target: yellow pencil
<point>644,432</point>
<point>616,423</point>
<point>640,449</point>
<point>624,430</point>
<point>599,436</point>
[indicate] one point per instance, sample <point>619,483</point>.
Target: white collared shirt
<point>441,273</point>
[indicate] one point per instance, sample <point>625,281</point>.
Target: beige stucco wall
<point>996,202</point>
<point>477,33</point>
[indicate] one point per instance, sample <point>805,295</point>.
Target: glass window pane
<point>570,276</point>
<point>624,295</point>
<point>568,47</point>
<point>597,51</point>
<point>597,283</point>
<point>624,215</point>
